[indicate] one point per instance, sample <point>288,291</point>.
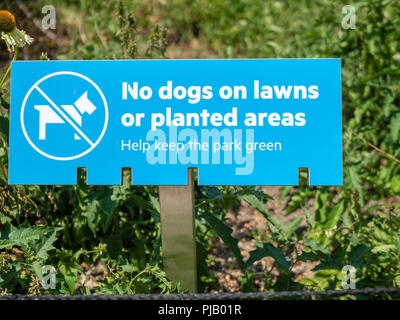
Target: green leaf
<point>305,256</point>
<point>92,213</point>
<point>355,180</point>
<point>4,125</point>
<point>114,245</point>
<point>155,203</point>
<point>100,208</point>
<point>247,282</point>
<point>334,215</point>
<point>309,217</point>
<point>70,280</point>
<point>19,236</point>
<point>394,127</point>
<point>129,268</point>
<point>320,207</point>
<point>4,219</point>
<point>37,267</point>
<point>45,245</point>
<point>225,233</point>
<point>316,246</point>
<point>284,191</point>
<point>212,192</point>
<point>328,264</point>
<point>395,184</point>
<point>347,220</point>
<point>259,205</point>
<point>293,225</point>
<point>268,250</point>
<point>357,253</point>
<point>397,243</point>
<point>383,248</point>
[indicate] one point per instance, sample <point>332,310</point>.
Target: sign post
<point>178,233</point>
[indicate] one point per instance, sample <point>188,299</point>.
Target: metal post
<point>178,233</point>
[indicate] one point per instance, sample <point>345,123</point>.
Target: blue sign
<point>241,122</point>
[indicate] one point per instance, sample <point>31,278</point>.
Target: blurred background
<point>107,239</point>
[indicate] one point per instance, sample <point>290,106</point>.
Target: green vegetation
<point>78,227</point>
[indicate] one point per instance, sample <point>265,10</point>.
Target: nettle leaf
<point>225,233</point>
<point>259,205</point>
<point>100,208</point>
<point>34,239</point>
<point>19,236</point>
<point>268,250</point>
<point>357,253</point>
<point>43,246</point>
<point>92,213</point>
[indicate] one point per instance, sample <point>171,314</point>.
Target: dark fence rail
<point>213,296</point>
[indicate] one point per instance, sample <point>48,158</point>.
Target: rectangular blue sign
<point>240,122</point>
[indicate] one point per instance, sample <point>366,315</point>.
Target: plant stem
<point>375,147</point>
<point>9,68</point>
<point>1,86</point>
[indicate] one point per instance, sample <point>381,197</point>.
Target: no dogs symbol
<point>64,115</point>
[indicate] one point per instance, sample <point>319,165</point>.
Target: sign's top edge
<point>213,59</point>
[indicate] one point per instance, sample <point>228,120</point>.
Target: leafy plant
<point>80,227</point>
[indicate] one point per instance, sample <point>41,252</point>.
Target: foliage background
<point>77,228</point>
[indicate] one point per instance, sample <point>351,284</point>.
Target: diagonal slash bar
<point>65,117</point>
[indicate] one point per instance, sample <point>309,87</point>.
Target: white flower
<point>10,33</point>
